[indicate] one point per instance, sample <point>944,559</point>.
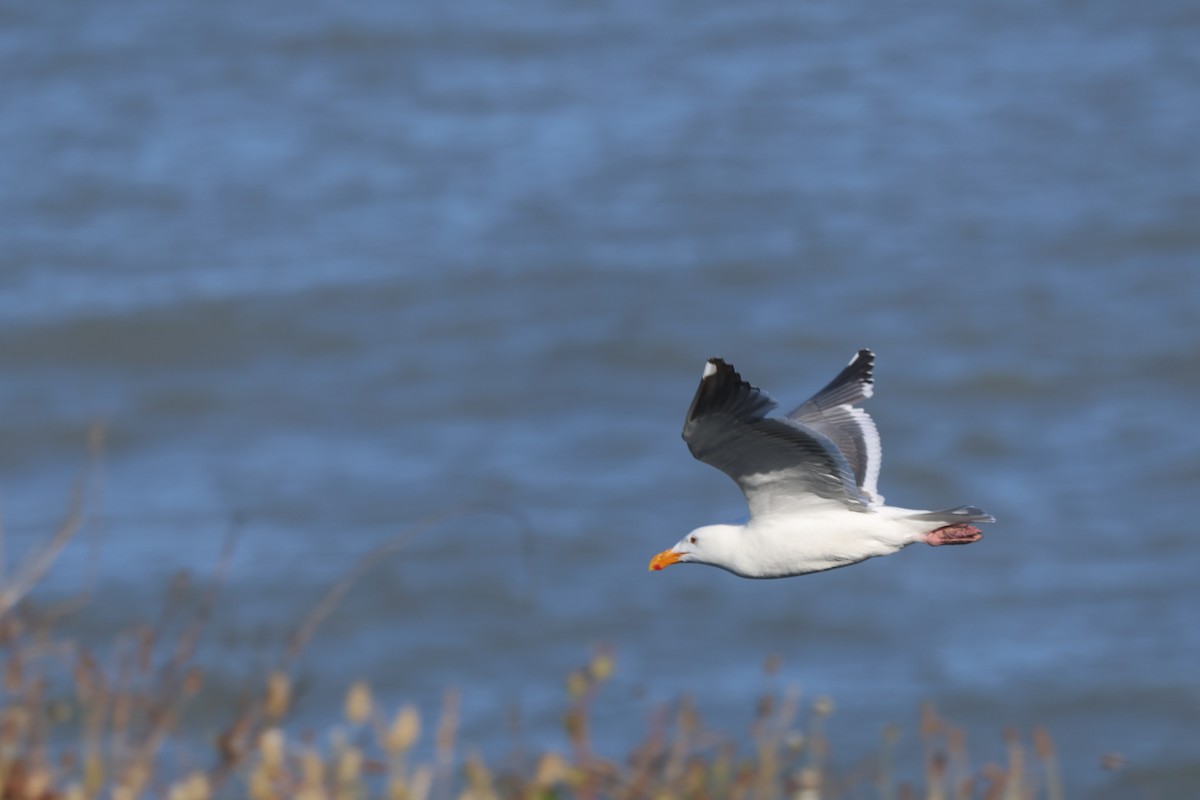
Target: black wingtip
<point>717,365</point>
<point>866,357</point>
<point>861,369</point>
<point>723,389</point>
<point>854,383</point>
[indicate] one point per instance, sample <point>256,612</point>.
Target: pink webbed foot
<point>958,533</point>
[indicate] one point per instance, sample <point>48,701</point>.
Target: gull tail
<point>951,516</point>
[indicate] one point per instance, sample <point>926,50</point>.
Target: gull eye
<point>693,539</point>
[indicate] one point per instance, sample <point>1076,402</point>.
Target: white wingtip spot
<point>710,369</point>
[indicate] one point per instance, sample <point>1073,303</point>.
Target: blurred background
<point>331,270</point>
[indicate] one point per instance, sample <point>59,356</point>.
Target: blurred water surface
<point>330,270</point>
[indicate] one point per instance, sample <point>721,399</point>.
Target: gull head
<point>716,545</point>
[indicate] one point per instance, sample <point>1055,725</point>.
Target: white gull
<point>809,480</point>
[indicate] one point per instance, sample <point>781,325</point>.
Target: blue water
<point>327,272</point>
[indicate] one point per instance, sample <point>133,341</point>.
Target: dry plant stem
<point>248,725</point>
<point>685,728</point>
<point>446,732</point>
<point>887,754</point>
<point>1015,783</point>
<point>307,628</point>
<point>251,721</point>
<point>1044,746</point>
<point>647,757</point>
<point>958,772</point>
<point>185,648</point>
<point>37,564</point>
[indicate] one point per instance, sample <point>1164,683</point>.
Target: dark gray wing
<point>780,464</point>
<point>831,412</point>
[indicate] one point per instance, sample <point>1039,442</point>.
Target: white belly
<point>820,539</point>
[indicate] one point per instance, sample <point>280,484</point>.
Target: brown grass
<point>75,725</point>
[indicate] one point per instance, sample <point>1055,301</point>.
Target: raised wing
<point>779,463</point>
<point>831,412</point>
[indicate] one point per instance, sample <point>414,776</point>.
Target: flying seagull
<point>809,480</point>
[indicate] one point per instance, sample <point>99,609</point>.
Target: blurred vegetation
<point>103,722</point>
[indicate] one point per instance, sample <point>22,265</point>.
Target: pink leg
<point>958,533</point>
